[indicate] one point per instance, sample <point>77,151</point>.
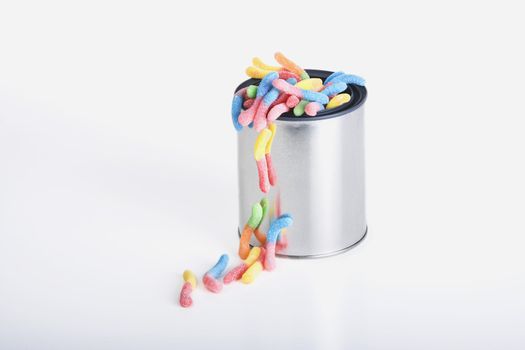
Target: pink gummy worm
<point>259,121</point>
<point>246,116</point>
<point>269,257</point>
<point>272,176</point>
<point>212,284</point>
<point>247,103</point>
<point>292,101</point>
<point>286,87</point>
<point>276,111</point>
<point>235,273</point>
<point>185,295</point>
<point>263,175</point>
<point>286,74</point>
<point>325,86</point>
<point>282,98</point>
<point>312,108</point>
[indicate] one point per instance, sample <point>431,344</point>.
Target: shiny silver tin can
<point>320,167</point>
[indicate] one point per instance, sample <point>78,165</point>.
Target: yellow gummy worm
<point>273,129</point>
<point>190,277</point>
<point>257,62</point>
<point>338,100</point>
<point>252,272</point>
<point>253,256</point>
<point>310,84</point>
<point>260,144</point>
<point>257,73</point>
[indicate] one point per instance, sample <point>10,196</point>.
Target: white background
<point>118,171</point>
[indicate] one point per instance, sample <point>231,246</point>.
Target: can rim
<point>358,93</point>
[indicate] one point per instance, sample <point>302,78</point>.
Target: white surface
<point>110,188</point>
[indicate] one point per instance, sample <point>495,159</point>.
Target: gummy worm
<point>299,109</point>
<point>190,283</point>
<point>251,273</point>
<point>312,108</point>
<point>292,101</point>
<point>290,65</point>
<point>349,79</point>
<point>303,94</point>
<point>276,111</point>
<point>334,88</point>
<point>246,116</point>
<point>338,100</point>
<point>314,84</point>
<point>261,236</point>
<point>332,76</point>
<point>276,226</point>
<point>211,278</point>
<point>257,62</point>
<point>248,103</point>
<point>272,176</point>
<point>259,152</point>
<point>267,102</point>
<point>237,272</point>
<point>237,107</point>
<point>253,222</point>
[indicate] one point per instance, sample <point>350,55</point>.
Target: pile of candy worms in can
<point>281,89</point>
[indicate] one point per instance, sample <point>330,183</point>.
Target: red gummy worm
<point>235,273</point>
<point>262,169</point>
<point>185,295</point>
<point>272,175</point>
<point>248,103</point>
<point>212,284</point>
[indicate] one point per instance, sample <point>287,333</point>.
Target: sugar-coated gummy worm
<point>276,226</point>
<point>259,120</point>
<point>256,72</point>
<point>299,109</point>
<point>349,79</point>
<point>247,103</point>
<point>252,272</point>
<point>282,239</point>
<point>312,108</point>
<point>257,62</point>
<point>292,101</point>
<point>334,88</point>
<point>314,84</point>
<point>261,236</point>
<point>313,96</point>
<point>251,225</point>
<point>276,111</point>
<point>338,100</point>
<point>251,91</point>
<point>211,278</point>
<point>246,116</point>
<point>272,175</point>
<point>190,283</point>
<point>290,65</point>
<point>285,74</point>
<point>332,76</point>
<point>259,155</point>
<point>237,272</point>
<point>283,97</point>
<point>237,103</point>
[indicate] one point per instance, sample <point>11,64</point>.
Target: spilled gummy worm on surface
<point>247,116</point>
<point>276,226</point>
<point>259,155</point>
<point>290,65</point>
<point>251,225</point>
<point>272,175</point>
<point>211,278</point>
<point>237,272</point>
<point>348,79</point>
<point>338,100</point>
<point>261,236</point>
<point>312,96</point>
<point>312,108</point>
<point>257,62</point>
<point>190,283</point>
<point>255,269</point>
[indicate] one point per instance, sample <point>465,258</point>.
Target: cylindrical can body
<point>320,181</point>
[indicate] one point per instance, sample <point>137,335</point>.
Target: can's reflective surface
<point>320,180</point>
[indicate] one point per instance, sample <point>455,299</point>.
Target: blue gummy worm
<point>314,96</point>
<point>291,81</point>
<point>217,270</point>
<point>334,89</point>
<point>270,96</point>
<point>236,110</point>
<point>350,79</point>
<point>266,84</point>
<point>276,226</point>
<point>332,76</point>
